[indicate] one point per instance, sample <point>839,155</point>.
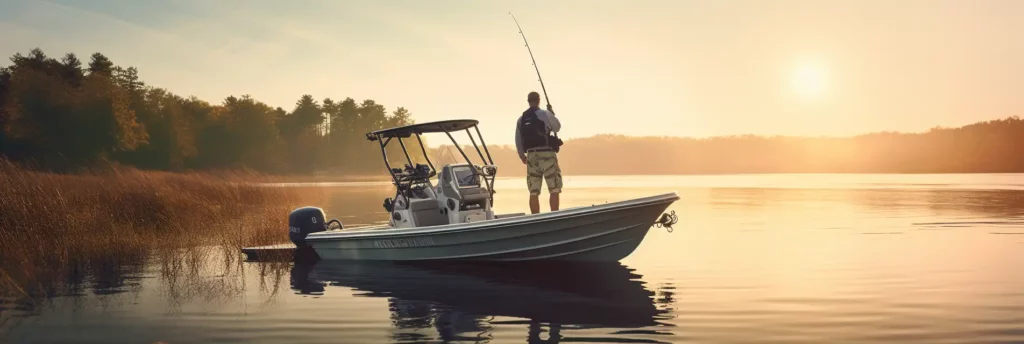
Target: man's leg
<point>533,181</point>
<point>552,177</point>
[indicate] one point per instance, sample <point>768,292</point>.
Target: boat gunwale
<point>496,223</point>
<point>526,249</point>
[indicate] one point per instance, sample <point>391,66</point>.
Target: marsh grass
<point>57,230</point>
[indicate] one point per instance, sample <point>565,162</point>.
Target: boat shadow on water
<point>461,301</point>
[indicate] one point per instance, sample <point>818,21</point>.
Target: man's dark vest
<point>533,130</point>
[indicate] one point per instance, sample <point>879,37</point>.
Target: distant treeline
<point>60,115</point>
<point>995,146</point>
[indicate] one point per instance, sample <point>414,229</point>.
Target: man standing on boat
<point>539,151</point>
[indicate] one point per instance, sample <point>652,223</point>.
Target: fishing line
<point>534,61</point>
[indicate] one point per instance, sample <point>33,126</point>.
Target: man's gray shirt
<point>550,121</point>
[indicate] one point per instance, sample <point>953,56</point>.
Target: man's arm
<point>551,120</point>
<point>519,143</point>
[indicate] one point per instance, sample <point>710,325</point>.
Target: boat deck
<point>273,252</point>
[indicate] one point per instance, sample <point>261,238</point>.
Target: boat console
<point>460,196</point>
<point>463,195</point>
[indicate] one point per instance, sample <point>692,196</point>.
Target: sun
<point>809,80</point>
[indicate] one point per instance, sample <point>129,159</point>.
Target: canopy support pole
<point>407,157</point>
<point>384,152</point>
<point>457,147</point>
<point>482,143</point>
<point>482,159</point>
<point>424,149</point>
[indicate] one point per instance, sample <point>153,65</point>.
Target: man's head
<point>534,99</point>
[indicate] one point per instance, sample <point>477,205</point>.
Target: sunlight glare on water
<point>754,258</point>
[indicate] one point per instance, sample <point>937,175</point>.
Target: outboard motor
<point>303,221</point>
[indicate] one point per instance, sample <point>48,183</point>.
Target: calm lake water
<point>754,258</point>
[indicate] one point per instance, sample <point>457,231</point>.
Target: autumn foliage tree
<point>60,115</point>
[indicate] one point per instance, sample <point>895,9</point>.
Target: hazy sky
<point>688,68</point>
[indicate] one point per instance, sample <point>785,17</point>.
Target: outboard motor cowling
<point>303,221</point>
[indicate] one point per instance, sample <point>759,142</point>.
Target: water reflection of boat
<point>456,299</point>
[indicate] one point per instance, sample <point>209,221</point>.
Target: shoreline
<point>305,178</point>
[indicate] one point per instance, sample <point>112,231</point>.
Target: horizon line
<point>780,136</point>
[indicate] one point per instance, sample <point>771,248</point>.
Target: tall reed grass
<point>53,225</point>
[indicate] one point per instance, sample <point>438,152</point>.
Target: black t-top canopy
<point>429,127</point>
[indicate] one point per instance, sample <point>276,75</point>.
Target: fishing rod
<point>548,100</point>
<point>558,141</point>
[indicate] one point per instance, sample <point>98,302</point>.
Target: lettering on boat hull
<point>399,243</point>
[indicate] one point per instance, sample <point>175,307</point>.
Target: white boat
<point>453,219</point>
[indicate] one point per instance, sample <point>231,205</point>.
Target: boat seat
<point>424,207</point>
<point>422,204</point>
<point>473,195</point>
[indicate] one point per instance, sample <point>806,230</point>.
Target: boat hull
<point>607,232</point>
